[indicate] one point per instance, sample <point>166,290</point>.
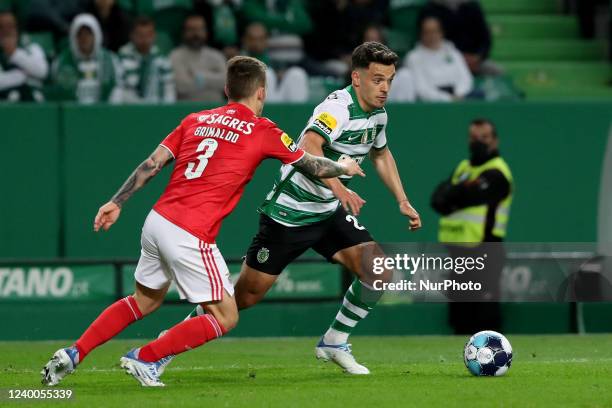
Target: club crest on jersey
<point>289,143</point>
<point>364,137</point>
<point>263,254</point>
<point>326,122</point>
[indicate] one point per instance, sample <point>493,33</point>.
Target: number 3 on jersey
<point>208,146</point>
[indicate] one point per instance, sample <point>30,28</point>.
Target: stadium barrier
<point>66,160</point>
<point>55,299</point>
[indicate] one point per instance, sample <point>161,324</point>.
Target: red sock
<point>111,321</point>
<point>186,335</point>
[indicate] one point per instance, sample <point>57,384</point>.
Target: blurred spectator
<point>199,70</point>
<point>464,24</point>
<point>403,16</point>
<point>329,46</point>
<point>440,72</point>
<point>338,29</point>
<point>23,67</point>
<point>168,15</point>
<point>374,32</point>
<point>147,74</point>
<point>587,11</point>
<point>288,85</point>
<point>54,15</point>
<point>86,71</point>
<point>287,21</point>
<point>114,22</point>
<point>220,15</point>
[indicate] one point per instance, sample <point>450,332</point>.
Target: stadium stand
<point>537,43</point>
<point>540,47</point>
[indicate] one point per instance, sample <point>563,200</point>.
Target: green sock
<point>358,301</point>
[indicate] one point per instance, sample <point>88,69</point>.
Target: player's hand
<point>107,215</point>
<point>409,211</point>
<point>351,202</point>
<point>352,167</point>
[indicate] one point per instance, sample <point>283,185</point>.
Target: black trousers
<point>471,312</point>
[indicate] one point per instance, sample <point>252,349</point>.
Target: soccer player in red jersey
<point>216,153</point>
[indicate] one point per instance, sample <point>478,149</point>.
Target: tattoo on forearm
<point>143,173</point>
<point>320,166</point>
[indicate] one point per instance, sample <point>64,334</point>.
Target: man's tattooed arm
<point>143,173</point>
<point>325,168</point>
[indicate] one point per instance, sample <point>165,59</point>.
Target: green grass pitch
<point>549,371</point>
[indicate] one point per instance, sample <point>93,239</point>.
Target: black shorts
<point>275,246</point>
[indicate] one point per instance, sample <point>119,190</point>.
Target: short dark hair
<point>244,76</point>
<point>484,121</point>
<point>372,52</point>
<point>143,21</point>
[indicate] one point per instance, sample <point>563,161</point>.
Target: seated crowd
<point>108,52</point>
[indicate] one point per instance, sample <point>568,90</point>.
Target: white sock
<point>335,337</point>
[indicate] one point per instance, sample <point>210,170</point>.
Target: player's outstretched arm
<point>109,213</point>
<point>324,168</point>
<point>385,166</point>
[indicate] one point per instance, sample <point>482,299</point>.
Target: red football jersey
<point>217,152</point>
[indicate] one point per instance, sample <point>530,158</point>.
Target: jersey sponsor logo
<point>326,122</point>
<point>263,254</point>
<point>40,282</point>
<point>202,118</point>
<point>289,143</point>
<point>241,126</point>
<point>230,111</point>
<point>357,158</point>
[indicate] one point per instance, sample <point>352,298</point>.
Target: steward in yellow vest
<point>475,205</point>
<point>475,202</point>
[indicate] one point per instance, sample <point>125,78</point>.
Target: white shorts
<point>169,253</point>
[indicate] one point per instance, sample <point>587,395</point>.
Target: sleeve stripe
<point>320,132</point>
<point>168,149</point>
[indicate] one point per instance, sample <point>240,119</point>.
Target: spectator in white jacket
<point>439,70</point>
<point>23,66</point>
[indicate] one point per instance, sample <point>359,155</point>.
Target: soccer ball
<point>488,353</point>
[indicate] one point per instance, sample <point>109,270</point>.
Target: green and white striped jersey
<point>299,199</point>
<point>146,78</point>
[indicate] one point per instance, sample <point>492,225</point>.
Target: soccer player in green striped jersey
<point>302,212</point>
